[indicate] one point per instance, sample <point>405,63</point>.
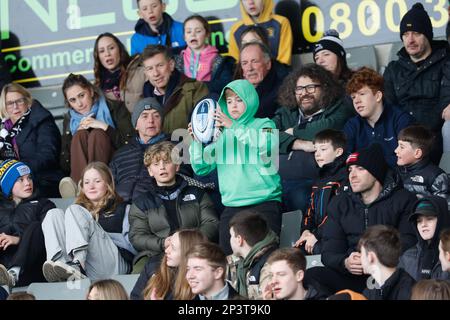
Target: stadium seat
<point>444,164</point>
<point>52,99</point>
<point>62,203</point>
<point>290,228</point>
<point>362,56</point>
<point>314,261</point>
<point>127,280</point>
<point>70,290</point>
<point>396,46</point>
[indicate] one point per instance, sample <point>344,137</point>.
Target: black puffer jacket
<point>349,217</point>
<point>425,178</point>
<point>15,218</point>
<point>333,179</point>
<point>130,174</point>
<point>397,287</point>
<point>424,90</point>
<point>412,259</point>
<point>39,144</point>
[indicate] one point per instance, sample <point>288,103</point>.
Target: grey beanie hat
<point>145,104</point>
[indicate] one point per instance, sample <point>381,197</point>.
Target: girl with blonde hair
<point>169,281</point>
<point>91,237</point>
<point>107,289</point>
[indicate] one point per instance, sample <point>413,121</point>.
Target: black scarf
<point>111,82</point>
<point>8,133</point>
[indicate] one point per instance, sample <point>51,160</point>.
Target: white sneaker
<point>7,278</point>
<point>68,188</point>
<point>69,271</point>
<point>49,272</point>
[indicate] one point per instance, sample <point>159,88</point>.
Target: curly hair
<point>332,91</point>
<point>123,63</point>
<point>365,77</point>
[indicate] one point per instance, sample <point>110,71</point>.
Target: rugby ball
<point>203,123</point>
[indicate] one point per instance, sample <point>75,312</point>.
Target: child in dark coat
<point>22,247</point>
<point>333,177</point>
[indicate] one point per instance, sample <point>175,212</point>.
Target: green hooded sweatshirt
<point>245,155</point>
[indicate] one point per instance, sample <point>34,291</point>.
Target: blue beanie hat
<point>10,171</point>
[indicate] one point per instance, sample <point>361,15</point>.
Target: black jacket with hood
<point>349,217</point>
<point>333,180</point>
<point>427,252</point>
<point>397,287</point>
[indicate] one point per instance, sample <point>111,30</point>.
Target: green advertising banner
<point>44,40</point>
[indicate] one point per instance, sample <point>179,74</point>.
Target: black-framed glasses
<point>19,102</point>
<point>310,88</point>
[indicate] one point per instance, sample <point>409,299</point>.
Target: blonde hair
<point>165,150</point>
<point>13,87</point>
<point>431,289</point>
<point>173,279</point>
<point>109,289</point>
<point>111,194</point>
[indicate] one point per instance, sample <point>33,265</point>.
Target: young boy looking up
<point>329,155</point>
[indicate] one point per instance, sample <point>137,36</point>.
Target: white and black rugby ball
<point>203,123</point>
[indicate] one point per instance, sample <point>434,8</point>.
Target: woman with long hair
<point>91,237</point>
<point>169,281</point>
<point>111,60</point>
<point>93,128</point>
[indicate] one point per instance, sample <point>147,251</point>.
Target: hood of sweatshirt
<point>264,16</point>
<point>443,220</point>
<point>248,94</point>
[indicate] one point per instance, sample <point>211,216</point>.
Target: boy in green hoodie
<point>246,158</point>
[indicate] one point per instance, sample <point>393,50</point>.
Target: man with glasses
<point>176,93</point>
<point>312,101</point>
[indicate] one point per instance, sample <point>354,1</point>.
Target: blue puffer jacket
<point>171,34</point>
<point>360,134</point>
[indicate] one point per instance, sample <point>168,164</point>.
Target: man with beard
<point>312,101</point>
<point>419,81</point>
<point>375,198</point>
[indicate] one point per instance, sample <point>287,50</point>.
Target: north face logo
<point>419,179</point>
<point>189,197</point>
